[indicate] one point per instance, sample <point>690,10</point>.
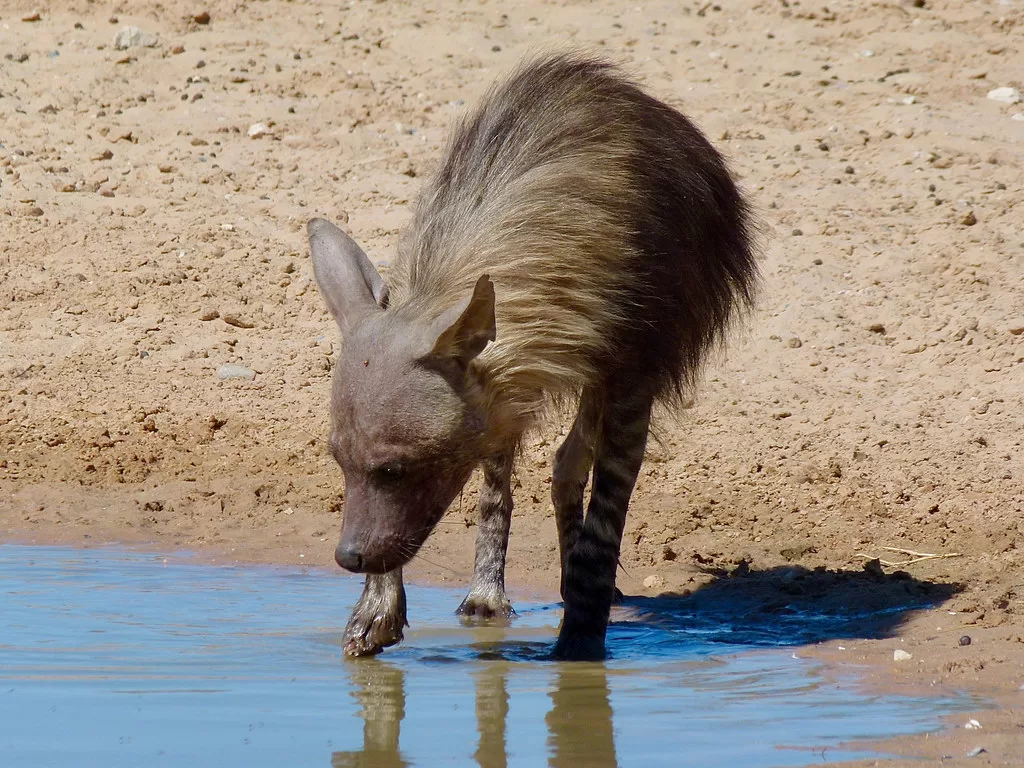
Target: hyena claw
<point>486,607</point>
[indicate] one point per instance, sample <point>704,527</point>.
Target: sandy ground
<point>146,240</point>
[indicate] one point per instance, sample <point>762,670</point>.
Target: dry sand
<point>875,400</point>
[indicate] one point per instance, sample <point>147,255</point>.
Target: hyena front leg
<point>486,596</point>
<point>589,576</point>
<point>379,617</point>
<point>573,460</point>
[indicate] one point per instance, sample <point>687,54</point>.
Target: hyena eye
<point>387,473</point>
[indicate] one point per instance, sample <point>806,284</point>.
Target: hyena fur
<point>581,242</point>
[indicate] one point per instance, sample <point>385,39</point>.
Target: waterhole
<point>118,658</point>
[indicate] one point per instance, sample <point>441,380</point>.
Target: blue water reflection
<point>117,658</point>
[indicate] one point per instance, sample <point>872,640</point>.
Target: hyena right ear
<point>348,282</point>
<point>465,329</point>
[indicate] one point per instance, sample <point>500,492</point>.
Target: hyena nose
<point>348,557</point>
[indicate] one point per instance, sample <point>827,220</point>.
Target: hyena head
<point>408,422</point>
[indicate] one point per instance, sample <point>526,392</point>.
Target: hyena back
<point>582,242</point>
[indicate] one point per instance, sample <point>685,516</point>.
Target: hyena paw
<point>368,635</point>
<point>486,606</point>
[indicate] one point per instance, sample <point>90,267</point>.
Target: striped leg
<point>573,461</point>
<point>486,596</point>
<point>589,575</point>
<point>379,617</point>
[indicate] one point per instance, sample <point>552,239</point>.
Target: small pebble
<point>165,168</point>
<point>209,314</point>
<point>105,191</point>
<point>178,49</point>
<point>900,655</point>
<point>236,372</point>
<point>653,582</point>
<point>201,18</point>
<point>32,17</point>
<point>797,232</point>
<point>794,343</point>
<point>965,640</point>
<point>133,37</point>
<point>876,328</point>
<point>34,211</point>
<point>1005,95</point>
<point>817,262</point>
<point>237,321</point>
<point>257,130</point>
<point>976,751</point>
<point>969,220</point>
<point>972,725</point>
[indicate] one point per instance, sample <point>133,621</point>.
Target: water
<point>114,658</point>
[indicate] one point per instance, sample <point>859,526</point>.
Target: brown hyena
<point>581,242</point>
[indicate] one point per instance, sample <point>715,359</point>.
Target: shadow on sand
<point>792,605</point>
<point>784,606</point>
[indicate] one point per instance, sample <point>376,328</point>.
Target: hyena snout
<point>348,556</point>
<point>378,539</point>
<point>362,553</point>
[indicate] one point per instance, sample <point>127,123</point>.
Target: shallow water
<point>115,658</point>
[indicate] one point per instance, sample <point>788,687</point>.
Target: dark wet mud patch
<point>114,658</point>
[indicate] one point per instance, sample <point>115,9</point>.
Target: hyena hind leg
<point>589,576</point>
<point>573,460</point>
<point>486,596</point>
<point>379,617</point>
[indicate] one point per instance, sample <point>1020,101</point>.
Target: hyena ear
<point>466,328</point>
<point>349,283</point>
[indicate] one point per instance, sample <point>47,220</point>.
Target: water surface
<point>116,658</point>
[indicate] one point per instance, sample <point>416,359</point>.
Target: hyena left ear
<point>466,328</point>
<point>348,282</point>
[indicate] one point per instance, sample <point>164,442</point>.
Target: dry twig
<point>916,557</point>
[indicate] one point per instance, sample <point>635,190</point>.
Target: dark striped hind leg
<point>486,596</point>
<point>589,575</point>
<point>573,460</point>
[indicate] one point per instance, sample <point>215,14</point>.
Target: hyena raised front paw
<point>491,604</point>
<point>368,634</point>
<point>379,616</point>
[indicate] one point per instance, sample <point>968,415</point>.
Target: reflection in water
<point>491,714</point>
<point>579,722</point>
<point>379,688</point>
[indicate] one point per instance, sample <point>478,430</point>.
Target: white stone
<point>654,582</point>
<point>1005,95</point>
<point>256,130</point>
<point>236,372</point>
<point>900,655</point>
<point>133,37</point>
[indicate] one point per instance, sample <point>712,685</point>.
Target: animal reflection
<point>579,722</point>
